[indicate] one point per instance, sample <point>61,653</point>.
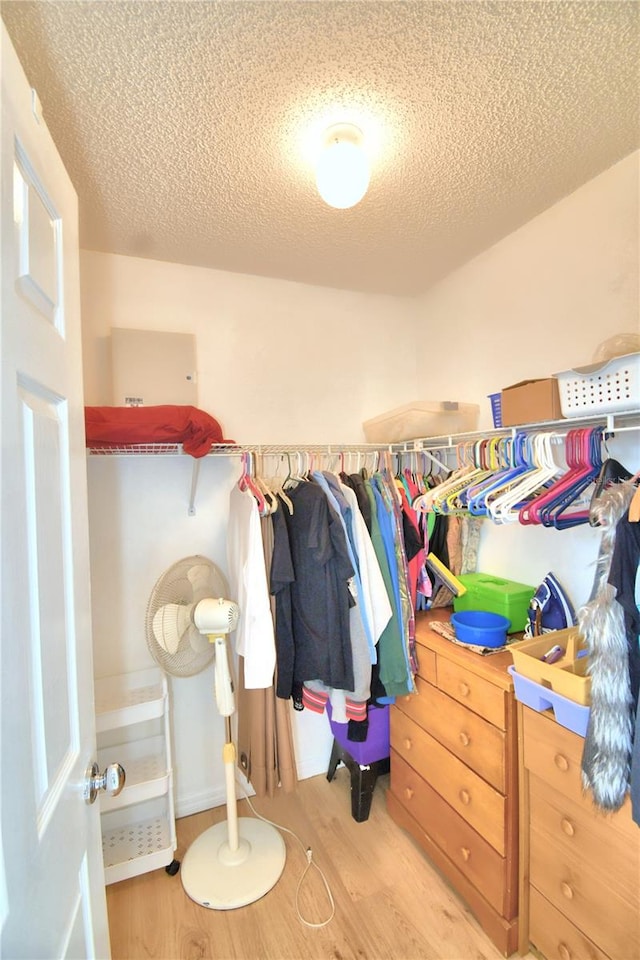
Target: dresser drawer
<point>476,693</point>
<point>553,753</point>
<point>476,801</point>
<point>604,843</point>
<point>555,936</point>
<point>576,888</point>
<point>473,740</point>
<point>471,854</point>
<point>426,663</point>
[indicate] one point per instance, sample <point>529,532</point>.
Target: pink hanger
<point>246,483</point>
<point>583,463</point>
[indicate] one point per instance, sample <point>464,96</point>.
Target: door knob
<point>111,781</point>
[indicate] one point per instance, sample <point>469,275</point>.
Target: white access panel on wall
<point>151,367</point>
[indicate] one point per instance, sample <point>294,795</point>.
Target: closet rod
<point>612,423</point>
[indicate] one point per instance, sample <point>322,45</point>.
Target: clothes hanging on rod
<point>319,594</point>
<point>326,526</point>
<point>367,617</point>
<point>265,743</point>
<point>396,659</point>
<point>266,753</point>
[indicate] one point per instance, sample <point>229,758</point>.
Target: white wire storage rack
<point>441,446</point>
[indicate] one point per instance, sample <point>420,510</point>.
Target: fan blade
<point>170,623</point>
<point>199,641</point>
<point>199,577</point>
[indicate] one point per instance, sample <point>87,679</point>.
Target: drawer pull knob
<point>563,951</point>
<point>466,853</point>
<point>408,792</point>
<point>567,827</point>
<point>408,744</point>
<point>465,689</point>
<point>464,739</point>
<point>567,890</point>
<point>561,762</point>
<point>465,796</point>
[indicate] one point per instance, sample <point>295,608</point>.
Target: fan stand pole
<point>236,862</point>
<point>229,758</point>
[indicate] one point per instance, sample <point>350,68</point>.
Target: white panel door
<point>52,897</point>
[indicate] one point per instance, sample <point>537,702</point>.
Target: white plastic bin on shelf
<point>146,771</point>
<point>601,388</point>
<point>422,418</point>
<point>129,698</point>
<point>137,839</point>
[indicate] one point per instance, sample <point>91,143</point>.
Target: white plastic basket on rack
<point>599,388</point>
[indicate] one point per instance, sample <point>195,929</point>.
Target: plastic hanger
<point>453,501</point>
<point>276,484</point>
<point>611,472</point>
<point>556,514</point>
<point>584,461</point>
<point>246,482</point>
<point>506,506</point>
<point>263,486</point>
<point>465,470</point>
<point>512,456</point>
<point>528,513</point>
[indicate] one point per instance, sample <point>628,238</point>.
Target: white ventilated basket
<point>611,387</point>
<point>137,839</point>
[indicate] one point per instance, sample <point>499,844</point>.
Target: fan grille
<point>186,582</point>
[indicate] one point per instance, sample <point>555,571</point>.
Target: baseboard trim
<point>192,803</point>
<point>197,802</point>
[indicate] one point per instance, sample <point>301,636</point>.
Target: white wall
<point>542,299</point>
<point>284,363</point>
<point>537,303</point>
<point>278,362</point>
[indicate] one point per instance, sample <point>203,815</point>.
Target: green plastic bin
<point>496,595</point>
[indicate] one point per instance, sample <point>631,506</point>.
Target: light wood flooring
<point>391,904</point>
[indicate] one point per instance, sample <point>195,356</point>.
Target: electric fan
<point>237,861</point>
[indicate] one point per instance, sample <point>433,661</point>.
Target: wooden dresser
<point>454,775</point>
<point>580,877</point>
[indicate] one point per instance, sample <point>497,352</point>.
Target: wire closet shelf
<point>612,423</point>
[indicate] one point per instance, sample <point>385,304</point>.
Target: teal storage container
<point>495,595</point>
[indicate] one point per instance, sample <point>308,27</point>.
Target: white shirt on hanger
<point>254,636</point>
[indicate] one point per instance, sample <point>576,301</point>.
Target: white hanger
<point>502,509</point>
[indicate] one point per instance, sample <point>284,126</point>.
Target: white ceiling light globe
<point>342,171</point>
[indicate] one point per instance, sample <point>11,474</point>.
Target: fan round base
<point>221,879</point>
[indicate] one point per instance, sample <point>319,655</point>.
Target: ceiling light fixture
<point>342,170</point>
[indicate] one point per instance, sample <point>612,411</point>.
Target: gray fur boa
<point>606,757</point>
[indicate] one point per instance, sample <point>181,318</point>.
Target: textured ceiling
<point>188,128</point>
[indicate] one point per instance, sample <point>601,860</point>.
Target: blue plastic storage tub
<point>480,627</point>
<point>574,716</point>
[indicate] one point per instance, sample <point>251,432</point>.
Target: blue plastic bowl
<point>480,627</point>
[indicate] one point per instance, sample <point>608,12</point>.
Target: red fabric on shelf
<point>196,430</point>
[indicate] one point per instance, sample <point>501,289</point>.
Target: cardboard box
<point>531,401</point>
